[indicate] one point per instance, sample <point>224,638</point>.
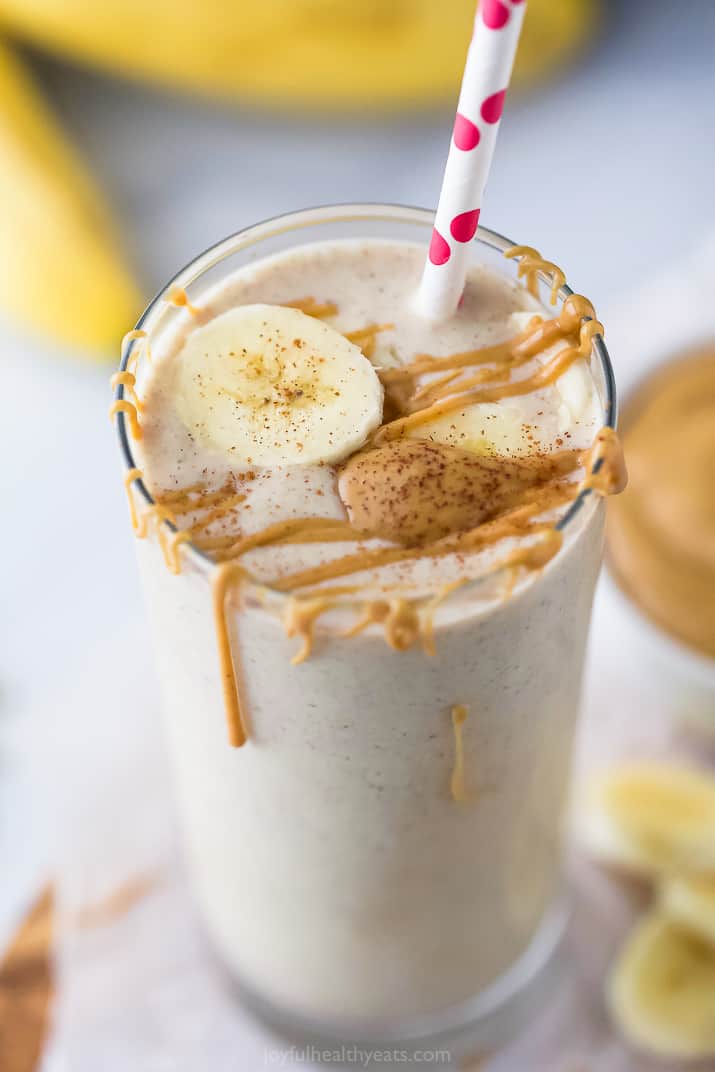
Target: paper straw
<point>490,58</point>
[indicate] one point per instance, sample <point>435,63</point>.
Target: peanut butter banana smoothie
<point>371,542</point>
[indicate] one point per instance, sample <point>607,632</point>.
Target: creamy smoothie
<point>369,623</point>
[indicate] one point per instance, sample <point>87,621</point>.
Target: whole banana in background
<point>60,271</point>
<point>326,53</point>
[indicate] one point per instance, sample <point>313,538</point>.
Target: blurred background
<point>134,134</point>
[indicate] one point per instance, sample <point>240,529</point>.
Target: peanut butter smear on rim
<point>478,453</point>
<point>661,532</point>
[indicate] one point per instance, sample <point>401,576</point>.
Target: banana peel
<point>60,274</point>
<point>317,53</point>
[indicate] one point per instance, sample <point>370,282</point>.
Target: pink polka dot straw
<point>490,58</point>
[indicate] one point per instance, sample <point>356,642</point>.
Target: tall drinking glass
<point>342,888</point>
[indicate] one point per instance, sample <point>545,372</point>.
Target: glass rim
<point>298,220</point>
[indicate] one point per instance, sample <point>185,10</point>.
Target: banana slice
<point>513,427</point>
<point>271,386</point>
<point>652,818</point>
<point>488,428</point>
<point>691,901</point>
<point>662,990</point>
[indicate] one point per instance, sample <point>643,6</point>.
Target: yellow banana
<point>662,990</point>
<point>691,901</point>
<point>652,818</point>
<point>315,52</point>
<point>59,270</point>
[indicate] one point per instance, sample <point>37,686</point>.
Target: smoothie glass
<point>348,896</point>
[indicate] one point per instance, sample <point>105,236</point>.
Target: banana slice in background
<point>662,989</point>
<point>60,272</point>
<point>651,818</point>
<point>691,902</point>
<point>268,385</point>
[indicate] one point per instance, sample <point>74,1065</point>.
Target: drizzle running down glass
<point>370,546</point>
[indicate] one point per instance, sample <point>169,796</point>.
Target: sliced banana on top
<point>517,426</point>
<point>662,989</point>
<point>652,818</point>
<point>690,900</point>
<point>575,386</point>
<point>488,428</point>
<point>270,386</point>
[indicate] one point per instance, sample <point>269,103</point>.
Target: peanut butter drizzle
<point>291,530</point>
<point>130,336</point>
<point>156,513</point>
<point>226,579</point>
<point>403,620</point>
<point>299,619</point>
<point>535,556</point>
<point>215,543</point>
<point>401,624</point>
<point>531,263</point>
<point>542,336</point>
<point>122,405</point>
<point>456,782</point>
<point>511,576</point>
<point>374,612</point>
<point>519,520</point>
<point>170,543</point>
<point>605,464</point>
<point>427,622</point>
<point>180,495</point>
<point>527,343</point>
<point>224,507</point>
<point>202,499</point>
<point>365,337</point>
<point>128,382</point>
<point>311,307</point>
<point>129,477</point>
<point>178,297</point>
<point>517,524</point>
<point>342,532</point>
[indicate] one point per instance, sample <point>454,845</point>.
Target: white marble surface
<point>609,171</point>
